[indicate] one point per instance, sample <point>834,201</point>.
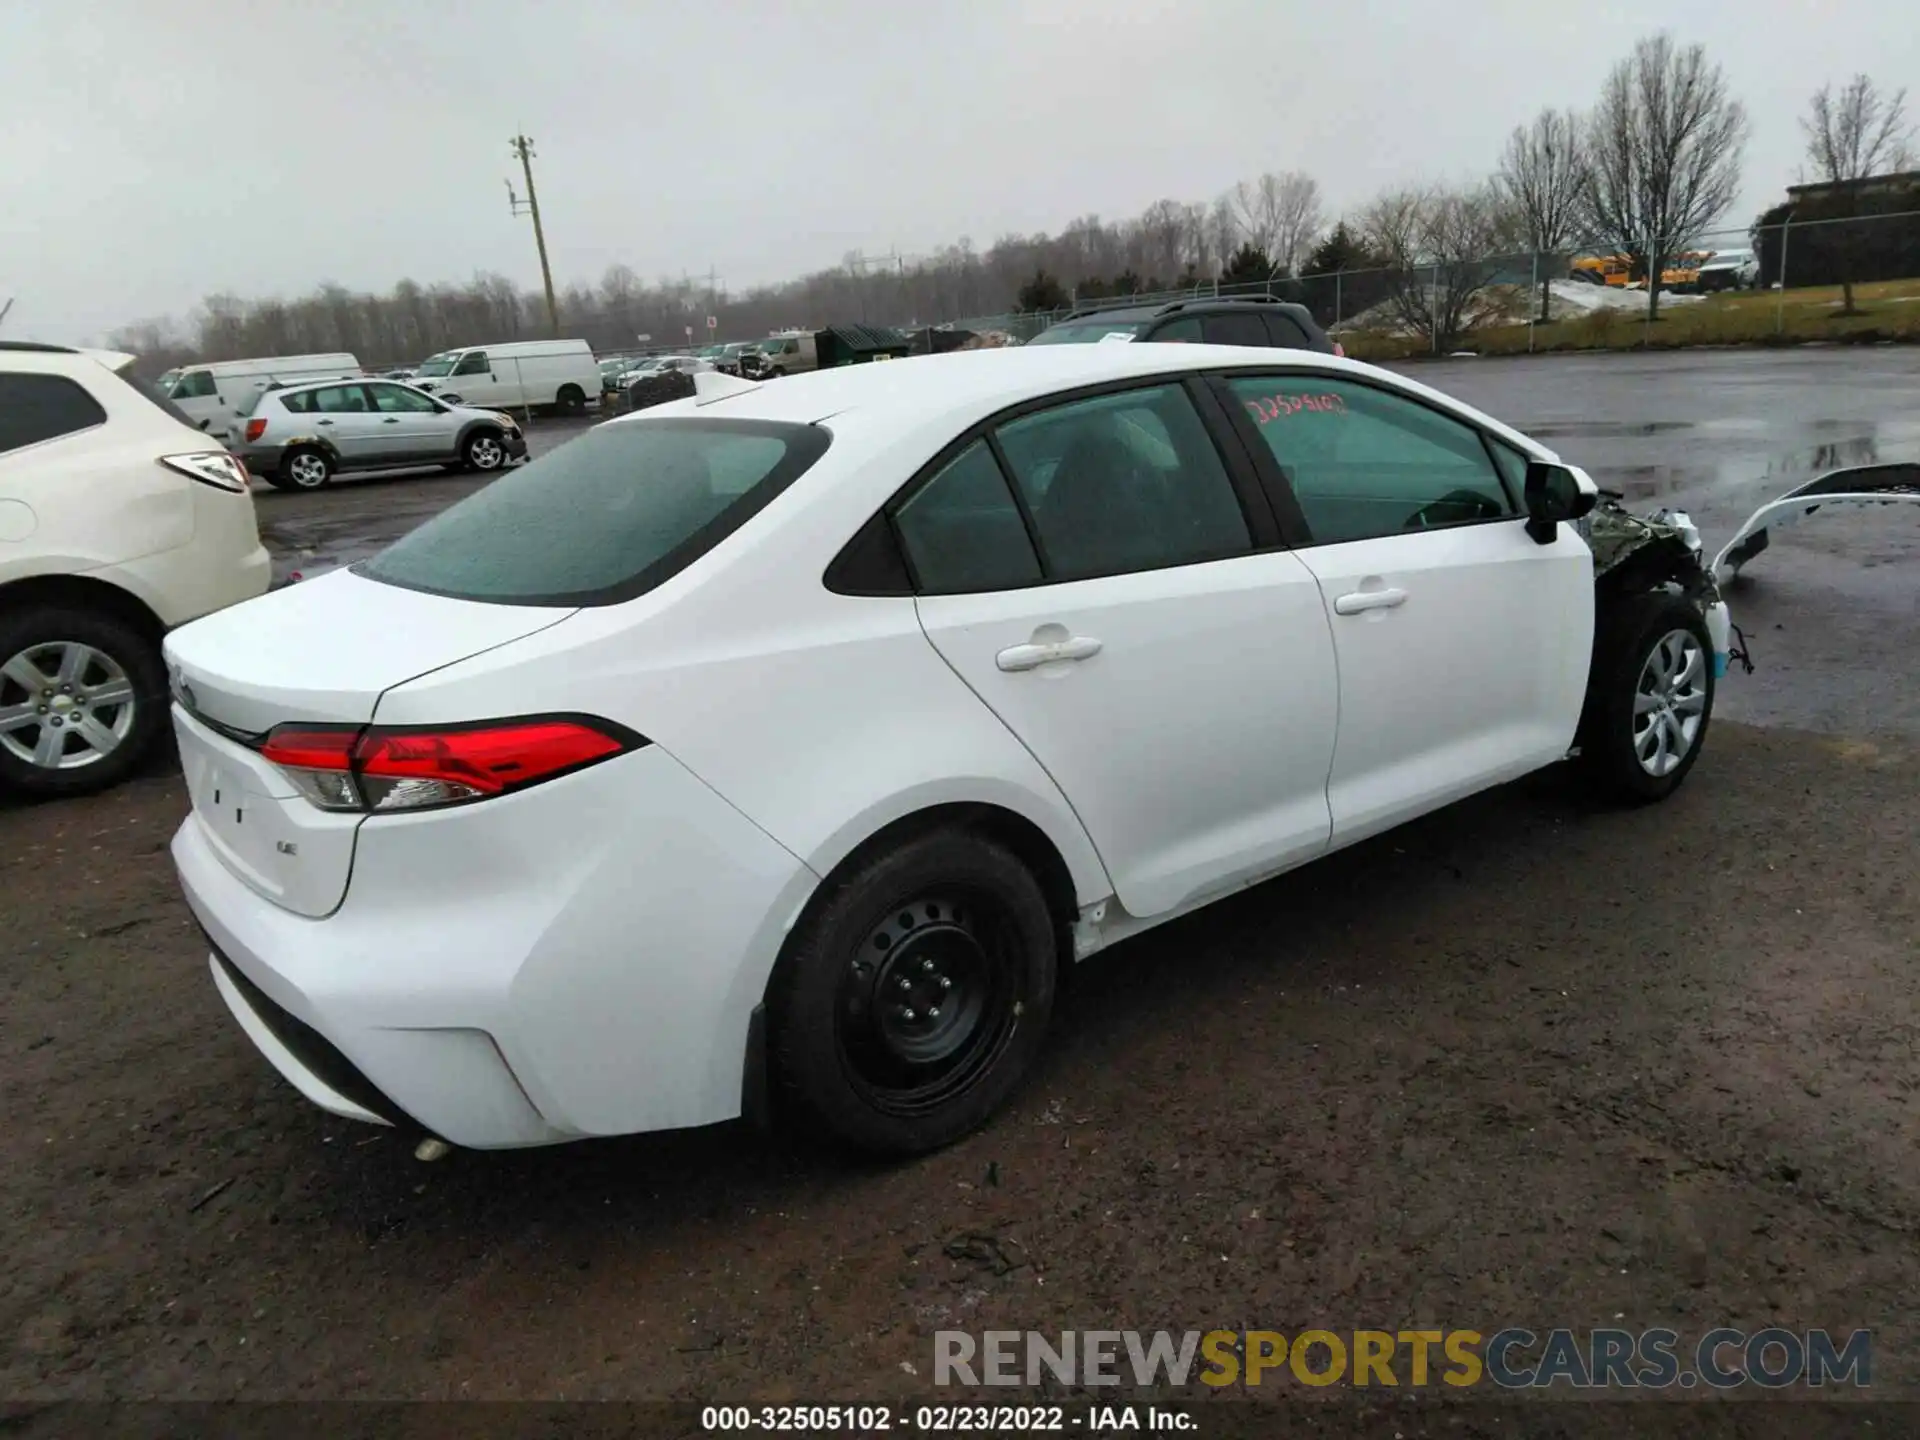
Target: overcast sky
<point>161,150</point>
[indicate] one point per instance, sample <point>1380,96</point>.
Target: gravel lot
<point>1525,1062</point>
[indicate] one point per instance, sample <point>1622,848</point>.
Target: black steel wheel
<point>928,1002</point>
<point>915,994</point>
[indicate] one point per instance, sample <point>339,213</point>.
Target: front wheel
<point>914,997</point>
<point>484,452</point>
<point>1650,698</point>
<point>571,399</point>
<point>82,699</point>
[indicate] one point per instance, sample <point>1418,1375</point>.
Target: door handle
<point>323,422</point>
<point>391,420</point>
<point>1361,601</point>
<point>1032,657</point>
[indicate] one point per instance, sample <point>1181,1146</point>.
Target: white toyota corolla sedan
<point>778,746</point>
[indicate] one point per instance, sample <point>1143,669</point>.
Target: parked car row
<point>524,374</point>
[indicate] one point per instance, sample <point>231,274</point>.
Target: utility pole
<point>523,149</point>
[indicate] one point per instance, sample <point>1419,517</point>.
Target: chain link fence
<point>1724,285</point>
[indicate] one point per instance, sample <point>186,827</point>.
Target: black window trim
<point>1273,476</point>
<point>92,399</point>
<point>807,443</point>
<point>1263,529</point>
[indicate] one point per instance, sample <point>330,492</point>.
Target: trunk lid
<point>322,651</point>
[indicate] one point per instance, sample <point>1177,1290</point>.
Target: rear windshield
<point>603,518</point>
<point>1087,332</point>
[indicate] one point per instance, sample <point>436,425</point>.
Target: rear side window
<point>963,532</point>
<point>300,402</point>
<point>34,408</point>
<point>1286,332</point>
<point>605,518</point>
<point>338,400</point>
<point>1232,328</point>
<point>1124,482</point>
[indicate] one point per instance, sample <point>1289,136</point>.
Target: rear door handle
<point>1032,657</point>
<point>1361,601</point>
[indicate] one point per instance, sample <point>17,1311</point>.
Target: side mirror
<point>1553,494</point>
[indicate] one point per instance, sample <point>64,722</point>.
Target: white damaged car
<point>776,748</point>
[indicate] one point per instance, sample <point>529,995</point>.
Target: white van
<point>218,396</point>
<point>561,373</point>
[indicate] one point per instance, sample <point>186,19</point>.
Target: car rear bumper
<point>261,460</point>
<point>580,959</point>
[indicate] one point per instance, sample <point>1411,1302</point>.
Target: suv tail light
<point>380,770</point>
<point>255,429</point>
<point>210,467</point>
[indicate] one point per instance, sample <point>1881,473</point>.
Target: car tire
<point>484,451</point>
<point>861,1052</point>
<point>572,400</point>
<point>106,655</point>
<point>307,467</point>
<point>1652,679</point>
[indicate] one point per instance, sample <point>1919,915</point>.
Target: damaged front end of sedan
<point>1636,555</point>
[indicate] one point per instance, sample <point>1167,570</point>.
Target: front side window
<point>962,530</point>
<point>194,385</point>
<point>1124,482</point>
<point>605,517</point>
<point>474,363</point>
<point>34,408</point>
<point>1364,463</point>
<point>399,400</point>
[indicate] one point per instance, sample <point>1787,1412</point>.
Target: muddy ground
<point>1526,1062</point>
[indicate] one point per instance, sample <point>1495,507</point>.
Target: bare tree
<point>1440,245</point>
<point>1850,136</point>
<point>1665,145</point>
<point>1543,173</point>
<point>1279,214</point>
<point>1300,220</point>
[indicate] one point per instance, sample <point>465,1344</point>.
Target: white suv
<point>118,520</point>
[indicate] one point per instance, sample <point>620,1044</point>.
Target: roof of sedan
<point>880,402</point>
<point>922,387</point>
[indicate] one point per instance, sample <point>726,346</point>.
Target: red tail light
<point>412,768</point>
<point>255,429</point>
